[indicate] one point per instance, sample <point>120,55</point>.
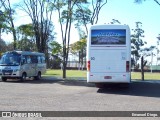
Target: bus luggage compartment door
<point>108,61</point>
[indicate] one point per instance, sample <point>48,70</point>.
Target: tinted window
<point>28,59</point>
<point>43,59</point>
<point>108,37</point>
<point>34,59</point>
<point>39,59</point>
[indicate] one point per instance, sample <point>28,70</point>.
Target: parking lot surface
<point>73,95</point>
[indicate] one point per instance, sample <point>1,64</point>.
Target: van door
<point>34,65</point>
<point>32,69</point>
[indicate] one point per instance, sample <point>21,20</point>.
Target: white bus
<point>109,55</point>
<point>22,64</point>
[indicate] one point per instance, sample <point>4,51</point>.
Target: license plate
<point>107,77</point>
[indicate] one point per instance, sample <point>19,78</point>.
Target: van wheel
<point>23,78</point>
<point>100,85</point>
<point>38,77</point>
<point>4,79</point>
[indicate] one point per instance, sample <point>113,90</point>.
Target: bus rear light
<point>88,66</point>
<point>127,66</point>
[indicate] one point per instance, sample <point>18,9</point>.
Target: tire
<point>4,79</point>
<point>23,78</point>
<point>38,77</point>
<point>124,85</point>
<point>100,85</point>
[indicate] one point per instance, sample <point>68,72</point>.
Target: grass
<point>147,76</point>
<point>82,74</point>
<point>70,73</point>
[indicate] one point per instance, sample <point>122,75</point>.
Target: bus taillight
<point>127,66</point>
<point>88,66</point>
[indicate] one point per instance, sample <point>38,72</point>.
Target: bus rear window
<point>108,37</point>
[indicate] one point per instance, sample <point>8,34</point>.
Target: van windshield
<point>10,59</point>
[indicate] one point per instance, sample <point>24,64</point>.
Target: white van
<point>22,64</point>
<point>109,54</point>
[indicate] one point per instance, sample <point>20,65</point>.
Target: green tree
<point>115,21</point>
<point>82,17</point>
<point>3,46</point>
<point>146,52</point>
<point>26,38</point>
<point>97,5</point>
<point>40,14</point>
<point>56,55</point>
<point>158,48</point>
<point>136,42</point>
<point>3,23</point>
<point>6,5</point>
<point>56,48</point>
<point>89,15</point>
<point>10,46</point>
<point>79,49</point>
<point>65,10</point>
<point>136,46</point>
<point>140,1</point>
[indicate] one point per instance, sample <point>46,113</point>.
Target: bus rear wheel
<point>100,85</point>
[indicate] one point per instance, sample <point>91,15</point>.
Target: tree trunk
<point>13,32</point>
<point>79,61</point>
<point>142,69</point>
<point>64,61</point>
<point>64,69</point>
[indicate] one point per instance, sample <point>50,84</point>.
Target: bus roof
<point>109,26</point>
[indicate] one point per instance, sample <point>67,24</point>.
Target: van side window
<point>43,59</point>
<point>39,59</point>
<point>34,59</point>
<point>28,59</point>
<point>24,58</point>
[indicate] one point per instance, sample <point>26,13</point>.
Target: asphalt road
<point>71,95</point>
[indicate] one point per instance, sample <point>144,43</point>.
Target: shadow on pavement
<point>148,89</point>
<point>52,80</point>
<point>136,88</point>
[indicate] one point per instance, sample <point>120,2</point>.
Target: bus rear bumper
<point>109,78</point>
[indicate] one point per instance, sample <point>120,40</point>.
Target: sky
<point>126,11</point>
